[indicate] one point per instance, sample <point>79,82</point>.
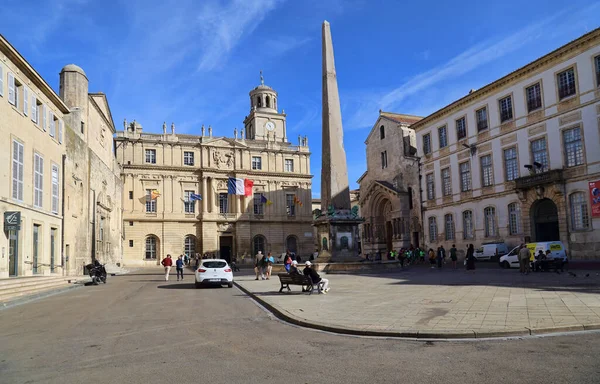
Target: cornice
<point>162,169</point>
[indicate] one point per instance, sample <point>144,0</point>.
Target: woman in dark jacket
<point>470,258</point>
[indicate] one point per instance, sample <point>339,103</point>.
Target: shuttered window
<point>17,171</point>
<point>11,89</point>
<point>38,180</point>
<point>25,101</point>
<point>55,190</point>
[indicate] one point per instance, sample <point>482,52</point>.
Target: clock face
<point>270,126</point>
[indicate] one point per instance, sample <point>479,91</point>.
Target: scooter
<point>97,272</point>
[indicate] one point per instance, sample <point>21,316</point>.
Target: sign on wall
<point>12,221</point>
<point>595,197</point>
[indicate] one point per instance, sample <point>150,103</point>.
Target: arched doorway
<point>291,244</point>
<point>189,245</point>
<point>152,248</point>
<point>544,221</point>
<point>382,225</point>
<point>259,244</point>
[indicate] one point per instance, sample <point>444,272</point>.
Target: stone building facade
<point>93,187</point>
<point>389,198</point>
<point>276,217</point>
<point>509,162</point>
<point>33,149</point>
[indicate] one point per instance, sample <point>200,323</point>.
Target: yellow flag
<point>154,194</point>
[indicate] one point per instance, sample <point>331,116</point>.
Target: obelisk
<point>337,226</point>
<point>335,189</point>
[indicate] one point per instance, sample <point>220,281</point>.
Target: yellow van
<point>557,252</point>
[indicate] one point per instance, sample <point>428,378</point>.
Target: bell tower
<point>264,121</point>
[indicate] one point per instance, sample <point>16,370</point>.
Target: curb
<point>418,334</point>
<point>28,299</point>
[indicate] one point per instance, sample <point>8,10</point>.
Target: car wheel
<point>230,285</point>
<point>505,264</point>
<point>198,285</point>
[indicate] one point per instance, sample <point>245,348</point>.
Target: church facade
<point>177,189</point>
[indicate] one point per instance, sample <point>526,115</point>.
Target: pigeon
<point>572,274</point>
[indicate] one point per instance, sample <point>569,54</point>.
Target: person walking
<point>167,263</point>
<point>453,256</point>
<point>258,265</point>
<point>470,258</point>
<point>524,256</point>
<point>179,267</point>
<point>431,257</point>
<point>186,259</point>
<point>441,254</point>
<point>269,267</point>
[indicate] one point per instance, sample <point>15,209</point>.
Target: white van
<point>557,251</point>
<point>491,251</point>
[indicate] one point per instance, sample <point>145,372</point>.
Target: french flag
<point>236,186</point>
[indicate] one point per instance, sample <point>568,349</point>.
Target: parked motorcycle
<point>97,272</point>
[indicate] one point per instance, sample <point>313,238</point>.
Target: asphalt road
<point>140,329</point>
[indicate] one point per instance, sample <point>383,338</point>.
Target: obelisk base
<point>338,239</point>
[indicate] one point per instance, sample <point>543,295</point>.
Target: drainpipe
<point>62,225</point>
<point>93,226</point>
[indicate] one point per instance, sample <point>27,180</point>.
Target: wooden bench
<point>305,281</point>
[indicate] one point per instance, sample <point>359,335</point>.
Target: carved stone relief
<point>223,159</point>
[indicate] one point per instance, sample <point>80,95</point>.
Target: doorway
<point>52,249</point>
<point>225,247</point>
<point>388,235</point>
<point>544,219</point>
<point>415,242</point>
<point>13,253</point>
<point>36,238</point>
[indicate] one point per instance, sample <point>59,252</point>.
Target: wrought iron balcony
<point>548,177</point>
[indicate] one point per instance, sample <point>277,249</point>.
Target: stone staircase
<point>20,287</point>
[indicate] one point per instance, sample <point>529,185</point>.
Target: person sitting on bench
<point>314,276</point>
<point>294,268</point>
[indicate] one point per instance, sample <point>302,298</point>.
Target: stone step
<point>7,295</point>
<point>17,283</point>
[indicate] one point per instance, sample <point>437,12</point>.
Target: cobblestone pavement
<point>422,301</point>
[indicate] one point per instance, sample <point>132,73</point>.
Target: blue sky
<point>194,62</point>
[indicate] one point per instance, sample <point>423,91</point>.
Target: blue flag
<point>263,199</point>
<point>194,197</point>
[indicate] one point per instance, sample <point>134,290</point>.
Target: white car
<point>214,272</point>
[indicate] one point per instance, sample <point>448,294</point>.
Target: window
<point>44,112</point>
<point>60,131</point>
<point>189,205</point>
<point>256,162</point>
<point>482,120</point>
<point>151,156</point>
<point>291,243</point>
<point>465,176</point>
<point>506,112</point>
<point>38,181</point>
<point>427,143</point>
<point>189,245</point>
<point>52,122</point>
<point>17,171</point>
<point>430,187</point>
<point>258,204</point>
<point>130,195</point>
<point>446,182</point>
<point>13,90</point>
<point>443,135</point>
<point>290,204</point>
<point>432,230</point>
<point>514,219</point>
<point>490,221</point>
<point>468,232</point>
<point>461,128</point>
<point>151,249</point>
<point>449,226</point>
<point>188,158</point>
<point>534,97</point>
<point>511,166</point>
<point>289,165</point>
<point>579,211</point>
<point>55,190</point>
<point>573,147</point>
<point>131,223</point>
<point>130,243</point>
<point>258,244</point>
<point>382,132</point>
<point>487,174</point>
<point>223,203</point>
<point>566,83</point>
<point>36,109</point>
<point>150,203</point>
<point>410,198</point>
<point>538,153</point>
<point>596,67</point>
<point>82,127</point>
<point>25,101</point>
<point>384,160</point>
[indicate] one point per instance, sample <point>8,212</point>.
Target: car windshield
<point>214,264</point>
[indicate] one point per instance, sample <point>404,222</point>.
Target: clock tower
<point>264,121</point>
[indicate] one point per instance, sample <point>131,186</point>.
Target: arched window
<point>468,232</point>
<point>291,243</point>
<point>382,132</point>
<point>514,219</point>
<point>449,226</point>
<point>489,215</point>
<point>258,102</point>
<point>410,198</point>
<point>258,244</point>
<point>580,218</point>
<point>432,229</point>
<point>190,245</point>
<point>151,248</point>
<point>268,102</point>
<point>344,242</point>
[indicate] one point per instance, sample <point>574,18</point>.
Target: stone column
<point>204,195</point>
<point>238,204</point>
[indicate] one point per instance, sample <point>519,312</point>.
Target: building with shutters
<point>163,174</point>
<point>518,159</point>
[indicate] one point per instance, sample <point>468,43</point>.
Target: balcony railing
<point>548,177</point>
